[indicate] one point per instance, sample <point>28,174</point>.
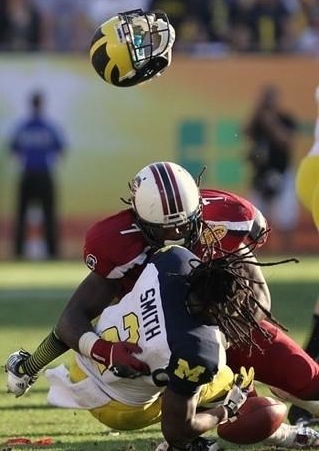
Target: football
<point>257,419</point>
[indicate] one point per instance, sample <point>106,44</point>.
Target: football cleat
<point>18,382</point>
<point>306,438</point>
<point>199,444</point>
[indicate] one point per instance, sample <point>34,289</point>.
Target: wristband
<point>225,416</point>
<point>91,345</point>
<point>86,343</point>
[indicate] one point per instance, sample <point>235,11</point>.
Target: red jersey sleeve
<point>115,248</point>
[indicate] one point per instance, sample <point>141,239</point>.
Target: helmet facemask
<point>149,38</point>
<point>155,233</point>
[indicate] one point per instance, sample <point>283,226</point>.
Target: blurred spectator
<point>20,23</point>
<point>36,143</point>
<point>214,26</point>
<point>240,36</point>
<point>64,26</point>
<point>261,25</point>
<point>239,25</point>
<point>99,11</point>
<point>197,22</point>
<point>213,17</point>
<point>271,22</point>
<point>271,132</point>
<point>178,13</point>
<point>308,42</point>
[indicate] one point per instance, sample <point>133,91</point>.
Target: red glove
<point>118,358</point>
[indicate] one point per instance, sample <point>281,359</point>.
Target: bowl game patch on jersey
<point>213,233</point>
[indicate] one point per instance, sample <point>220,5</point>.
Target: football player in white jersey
<point>182,313</point>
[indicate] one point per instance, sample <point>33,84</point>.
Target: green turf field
<point>31,297</point>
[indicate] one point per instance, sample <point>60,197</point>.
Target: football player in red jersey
<point>166,207</point>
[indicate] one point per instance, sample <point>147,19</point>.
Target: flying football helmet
<point>167,204</point>
<point>132,47</point>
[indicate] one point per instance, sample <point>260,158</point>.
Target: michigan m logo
<point>183,371</point>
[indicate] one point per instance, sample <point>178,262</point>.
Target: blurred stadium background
<point>192,115</point>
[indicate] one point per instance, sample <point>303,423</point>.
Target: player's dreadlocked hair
<point>219,289</point>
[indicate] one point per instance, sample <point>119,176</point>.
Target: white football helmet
<point>165,196</point>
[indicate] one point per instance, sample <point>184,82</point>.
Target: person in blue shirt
<point>36,143</point>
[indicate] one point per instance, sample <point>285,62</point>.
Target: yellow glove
<point>244,379</point>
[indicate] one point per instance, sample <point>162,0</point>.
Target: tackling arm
<point>73,323</point>
<point>88,301</point>
<point>74,327</point>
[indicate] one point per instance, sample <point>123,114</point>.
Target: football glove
<point>247,379</point>
<point>237,395</point>
<point>118,358</point>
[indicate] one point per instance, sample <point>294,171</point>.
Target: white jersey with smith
<point>175,346</point>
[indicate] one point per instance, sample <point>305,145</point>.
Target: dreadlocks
<point>220,290</point>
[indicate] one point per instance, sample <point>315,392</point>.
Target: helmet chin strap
<point>179,242</point>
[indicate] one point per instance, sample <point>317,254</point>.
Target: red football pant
<point>282,363</point>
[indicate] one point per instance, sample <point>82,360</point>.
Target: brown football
<point>257,419</point>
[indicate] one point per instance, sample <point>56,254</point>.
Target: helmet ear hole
<point>158,64</point>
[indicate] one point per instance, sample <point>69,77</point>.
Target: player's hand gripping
<point>237,395</point>
<point>118,358</point>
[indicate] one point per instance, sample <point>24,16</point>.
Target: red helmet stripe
<point>168,188</point>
